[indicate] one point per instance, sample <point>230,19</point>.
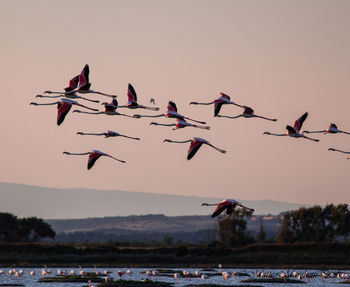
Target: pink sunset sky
<point>282,58</point>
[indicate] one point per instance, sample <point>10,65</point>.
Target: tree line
<point>30,229</point>
<point>306,224</point>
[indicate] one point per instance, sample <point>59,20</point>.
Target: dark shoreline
<point>255,256</point>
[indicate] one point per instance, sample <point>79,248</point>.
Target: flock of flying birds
<point>80,84</point>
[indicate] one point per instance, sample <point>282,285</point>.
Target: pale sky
<point>282,58</point>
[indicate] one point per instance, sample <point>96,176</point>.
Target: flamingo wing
<point>217,106</point>
<point>115,102</point>
<point>248,110</point>
<point>180,123</point>
<point>221,207</point>
<point>290,130</point>
<point>63,109</point>
<point>333,126</point>
<point>299,122</point>
<point>84,78</point>
<point>132,96</point>
<point>92,159</point>
<point>73,84</point>
<point>110,108</point>
<point>225,97</point>
<point>194,147</point>
<point>172,106</point>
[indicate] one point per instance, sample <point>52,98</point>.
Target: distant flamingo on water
<point>295,130</point>
<point>332,129</point>
<point>227,204</point>
<point>69,92</point>
<point>63,107</point>
<point>93,156</point>
<point>132,101</point>
<point>171,113</point>
<point>107,135</point>
<point>110,110</point>
<point>338,150</point>
<point>180,123</point>
<point>247,113</point>
<point>196,143</point>
<point>84,84</point>
<point>223,100</point>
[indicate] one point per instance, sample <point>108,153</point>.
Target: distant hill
<point>51,203</point>
<point>152,227</point>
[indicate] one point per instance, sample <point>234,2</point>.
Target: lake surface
<point>139,274</point>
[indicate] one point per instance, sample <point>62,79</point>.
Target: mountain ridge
<point>57,203</point>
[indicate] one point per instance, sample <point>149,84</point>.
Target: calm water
<point>139,274</point>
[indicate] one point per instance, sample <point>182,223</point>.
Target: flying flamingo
<point>295,130</point>
<point>228,205</point>
<point>223,100</point>
<point>180,123</point>
<point>333,149</point>
<point>332,129</point>
<point>93,156</point>
<point>171,113</point>
<point>196,143</point>
<point>84,84</point>
<point>107,134</point>
<point>110,110</point>
<point>132,101</point>
<point>248,113</point>
<point>69,92</point>
<point>63,107</point>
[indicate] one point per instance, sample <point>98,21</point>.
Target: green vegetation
<point>31,229</point>
<point>316,224</point>
<point>232,229</point>
<point>312,236</point>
